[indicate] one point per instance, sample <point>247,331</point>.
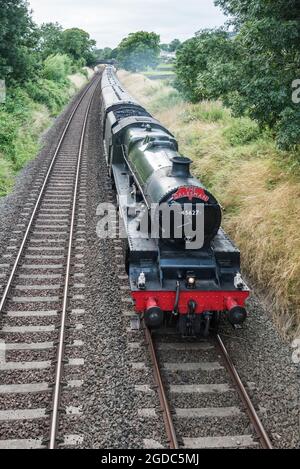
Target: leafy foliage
<point>51,94</point>
<point>242,131</point>
<point>196,56</point>
<point>24,46</point>
<point>18,139</point>
<point>35,63</point>
<point>78,45</point>
<point>50,41</point>
<point>172,47</point>
<point>206,111</point>
<point>57,67</point>
<point>104,54</point>
<point>252,71</point>
<point>139,51</point>
<point>18,36</point>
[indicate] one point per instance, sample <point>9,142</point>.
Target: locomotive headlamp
<point>190,280</point>
<point>141,283</point>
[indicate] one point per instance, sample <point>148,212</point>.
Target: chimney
<point>181,167</point>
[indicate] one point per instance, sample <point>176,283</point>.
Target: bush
<point>8,135</point>
<point>16,132</point>
<point>194,60</point>
<point>57,67</point>
<point>6,176</point>
<point>26,147</point>
<point>288,130</point>
<point>53,95</point>
<point>77,65</point>
<point>85,73</point>
<point>19,104</point>
<point>242,131</point>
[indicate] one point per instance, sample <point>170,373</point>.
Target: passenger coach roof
<point>112,88</point>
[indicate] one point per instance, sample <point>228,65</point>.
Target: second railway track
<point>42,277</point>
<point>204,404</point>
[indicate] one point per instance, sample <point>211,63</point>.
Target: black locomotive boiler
<point>168,277</point>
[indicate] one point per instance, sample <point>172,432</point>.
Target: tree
<point>18,40</point>
<point>139,51</point>
<point>174,45</point>
<point>242,10</point>
<point>252,70</point>
<point>194,61</point>
<point>269,38</point>
<point>103,54</point>
<point>78,45</point>
<point>50,39</point>
<point>164,47</point>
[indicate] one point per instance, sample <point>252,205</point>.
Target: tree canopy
<point>24,47</point>
<point>103,54</point>
<point>173,46</point>
<point>78,44</point>
<point>139,50</point>
<point>18,36</point>
<point>252,71</point>
<point>50,39</point>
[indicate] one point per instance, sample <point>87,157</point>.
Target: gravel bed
<point>32,321</point>
<point>31,337</point>
<point>214,426</point>
<point>30,355</point>
<point>27,401</point>
<point>201,377</point>
<point>25,377</point>
<point>227,399</point>
<point>24,428</point>
<point>38,306</point>
<point>264,361</point>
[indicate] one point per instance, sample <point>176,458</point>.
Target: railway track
<point>203,401</point>
<point>196,389</point>
<point>42,277</point>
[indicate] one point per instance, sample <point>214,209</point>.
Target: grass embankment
<point>258,186</point>
<point>25,115</point>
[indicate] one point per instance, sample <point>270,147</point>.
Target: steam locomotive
<point>170,278</point>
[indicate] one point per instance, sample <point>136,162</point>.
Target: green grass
<point>162,70</point>
<point>156,72</point>
<point>24,117</point>
<point>21,123</point>
<point>165,66</point>
<point>207,111</point>
<point>165,100</point>
<point>242,131</point>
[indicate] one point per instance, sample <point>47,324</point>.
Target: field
<point>258,186</point>
<point>161,72</point>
